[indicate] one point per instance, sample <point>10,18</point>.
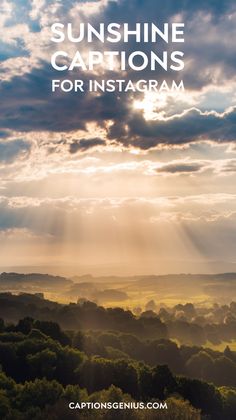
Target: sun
<point>152,105</point>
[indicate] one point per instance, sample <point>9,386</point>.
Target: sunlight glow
<point>151,104</point>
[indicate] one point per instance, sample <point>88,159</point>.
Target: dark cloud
<point>30,105</point>
<point>175,168</point>
<point>201,51</point>
<point>85,144</point>
<point>191,126</point>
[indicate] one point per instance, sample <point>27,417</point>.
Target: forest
<point>51,354</point>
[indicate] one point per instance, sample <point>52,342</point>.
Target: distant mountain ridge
<point>10,279</point>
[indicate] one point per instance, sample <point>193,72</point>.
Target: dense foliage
<point>186,323</point>
<point>44,367</point>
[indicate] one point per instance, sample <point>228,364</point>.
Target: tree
<point>164,352</point>
<point>25,325</point>
<point>229,402</point>
<point>68,362</point>
<point>145,381</point>
<point>2,326</point>
<point>116,395</point>
<point>201,395</point>
<point>151,306</point>
<point>163,382</point>
<point>228,353</point>
<point>4,404</point>
<point>8,358</point>
<point>38,394</point>
<point>224,371</point>
<point>126,377</point>
<point>78,340</point>
<point>111,340</point>
<point>42,364</point>
<point>6,383</point>
<point>53,330</point>
<point>200,365</point>
<point>96,374</point>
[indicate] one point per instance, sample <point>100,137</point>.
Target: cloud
<point>83,145</point>
<point>36,108</point>
<point>176,168</point>
<point>229,166</point>
<point>29,77</point>
<point>190,126</point>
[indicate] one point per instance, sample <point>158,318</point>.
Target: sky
<point>118,183</point>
